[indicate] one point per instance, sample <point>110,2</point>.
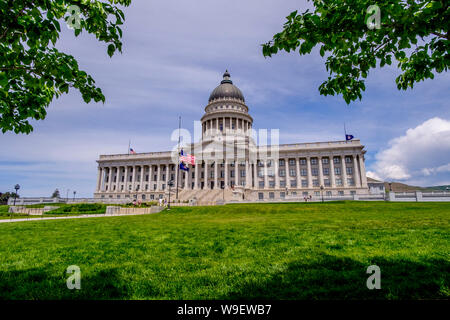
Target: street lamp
<point>321,190</point>
<point>17,187</point>
<point>67,195</point>
<point>170,186</point>
<point>74,192</point>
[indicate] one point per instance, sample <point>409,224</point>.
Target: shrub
<point>84,208</point>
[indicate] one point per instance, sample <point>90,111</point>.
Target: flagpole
<point>345,132</point>
<point>178,164</point>
<point>129,145</point>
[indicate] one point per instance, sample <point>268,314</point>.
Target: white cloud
<point>420,156</point>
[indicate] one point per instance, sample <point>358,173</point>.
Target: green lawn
<point>276,251</point>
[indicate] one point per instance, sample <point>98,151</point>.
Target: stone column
<point>141,182</point>
<point>187,179</point>
<point>158,177</point>
<point>344,172</point>
<point>277,172</point>
<point>236,172</point>
<point>167,175</point>
<point>125,184</point>
<point>321,183</point>
<point>298,176</point>
<point>356,172</point>
<point>99,178</point>
<point>248,181</point>
<point>196,176</point>
<point>363,171</point>
<point>110,179</point>
<point>117,179</point>
<point>133,180</point>
<point>216,167</point>
<point>266,177</point>
<point>332,177</point>
<point>308,166</point>
<point>255,175</point>
<point>225,173</point>
<point>206,175</point>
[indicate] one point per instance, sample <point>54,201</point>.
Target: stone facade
<point>230,166</point>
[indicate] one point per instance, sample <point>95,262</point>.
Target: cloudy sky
<point>175,53</point>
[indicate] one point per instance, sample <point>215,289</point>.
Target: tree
<point>56,194</point>
<point>357,36</point>
<point>32,71</point>
<point>5,196</point>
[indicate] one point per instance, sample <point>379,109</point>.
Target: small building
<point>375,186</point>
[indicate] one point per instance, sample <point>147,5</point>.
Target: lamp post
<point>321,191</point>
<point>67,195</point>
<point>74,192</point>
<point>170,186</point>
<point>16,187</point>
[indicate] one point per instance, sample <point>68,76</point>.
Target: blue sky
<point>175,53</point>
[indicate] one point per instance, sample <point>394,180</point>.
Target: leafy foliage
<point>56,194</point>
<point>413,32</point>
<point>84,208</point>
<point>5,196</point>
<point>32,71</point>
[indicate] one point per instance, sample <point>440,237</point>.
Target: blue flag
<point>348,137</point>
<point>183,167</point>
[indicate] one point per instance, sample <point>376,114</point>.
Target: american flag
<point>132,151</point>
<point>187,158</point>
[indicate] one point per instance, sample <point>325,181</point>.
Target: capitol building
<point>230,166</point>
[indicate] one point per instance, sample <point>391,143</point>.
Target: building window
<point>294,193</point>
<point>282,173</point>
<point>123,179</point>
<point>317,193</point>
<point>326,171</point>
<point>305,194</point>
<point>293,183</point>
<point>261,184</point>
<point>260,173</point>
<point>292,162</point>
<point>336,160</point>
<point>152,197</point>
<point>315,172</point>
<point>313,161</point>
<point>352,192</point>
<point>348,159</point>
<point>351,182</point>
<point>325,160</point>
<point>304,183</point>
<point>271,195</point>
<point>315,183</point>
<point>118,196</point>
<point>146,187</point>
<point>303,172</point>
<point>146,178</point>
<point>269,163</point>
<point>303,161</point>
<point>121,188</point>
<point>154,187</point>
<point>339,182</point>
<point>341,193</point>
<point>260,196</point>
<point>270,172</point>
<point>282,163</point>
<point>232,173</point>
<point>326,182</point>
<point>242,173</point>
<point>129,187</point>
<point>260,164</point>
<point>337,171</point>
<point>272,184</point>
<point>349,170</point>
<point>292,173</point>
<point>283,183</point>
<point>282,195</point>
<point>328,193</point>
<point>143,197</point>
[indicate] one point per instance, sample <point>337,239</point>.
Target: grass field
<point>250,251</point>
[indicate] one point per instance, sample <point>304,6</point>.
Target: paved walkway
<point>73,217</point>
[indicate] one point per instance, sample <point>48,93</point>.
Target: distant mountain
<point>444,188</point>
<point>401,187</point>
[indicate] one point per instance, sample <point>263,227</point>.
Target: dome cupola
<point>226,90</point>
